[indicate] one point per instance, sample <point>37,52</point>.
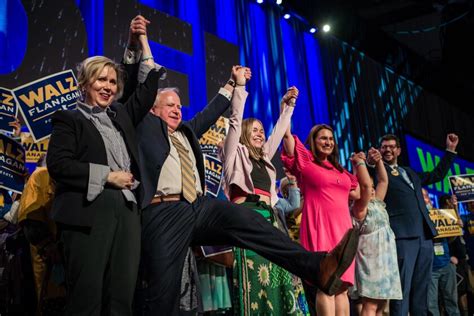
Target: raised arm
<point>149,73</point>
<point>133,55</point>
<point>283,123</point>
<point>441,169</point>
<point>359,209</point>
<point>201,122</point>
<point>288,140</point>
<point>228,151</point>
<point>382,177</point>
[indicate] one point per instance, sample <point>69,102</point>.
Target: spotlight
<point>259,1</point>
<point>279,2</point>
<point>286,16</point>
<point>326,28</point>
<point>312,30</point>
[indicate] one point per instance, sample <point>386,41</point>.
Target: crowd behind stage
<point>112,219</point>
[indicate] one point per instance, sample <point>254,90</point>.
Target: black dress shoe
<point>336,262</point>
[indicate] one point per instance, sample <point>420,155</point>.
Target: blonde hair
<point>255,153</point>
<point>89,70</point>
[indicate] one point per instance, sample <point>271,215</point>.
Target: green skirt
<point>262,287</point>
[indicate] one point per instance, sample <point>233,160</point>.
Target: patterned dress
<point>376,274</point>
<point>262,287</point>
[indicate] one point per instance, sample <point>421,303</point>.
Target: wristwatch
<point>231,82</point>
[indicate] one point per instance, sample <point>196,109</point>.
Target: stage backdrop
<point>199,41</point>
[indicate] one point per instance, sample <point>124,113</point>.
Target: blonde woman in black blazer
<point>93,158</point>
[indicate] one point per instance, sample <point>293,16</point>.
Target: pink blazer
<point>235,156</point>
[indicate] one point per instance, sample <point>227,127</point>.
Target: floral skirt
<point>262,287</point>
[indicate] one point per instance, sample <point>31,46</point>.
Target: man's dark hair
<point>390,137</point>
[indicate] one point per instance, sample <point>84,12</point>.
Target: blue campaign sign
<point>213,174</point>
<point>12,164</point>
<point>8,110</point>
<point>463,187</point>
<point>39,99</point>
<point>424,158</point>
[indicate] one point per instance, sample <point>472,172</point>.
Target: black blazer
<point>406,207</point>
<point>75,142</point>
<point>154,146</point>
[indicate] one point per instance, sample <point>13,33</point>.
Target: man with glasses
<point>410,222</point>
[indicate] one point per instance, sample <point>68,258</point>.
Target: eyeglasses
<point>388,147</point>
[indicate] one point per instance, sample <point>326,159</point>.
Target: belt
<point>166,198</point>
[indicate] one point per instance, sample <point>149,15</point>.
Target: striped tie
<point>187,172</point>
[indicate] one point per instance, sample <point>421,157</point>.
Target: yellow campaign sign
<point>33,149</point>
<point>446,222</point>
<point>216,133</point>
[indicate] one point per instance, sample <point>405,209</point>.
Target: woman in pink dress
<point>327,188</point>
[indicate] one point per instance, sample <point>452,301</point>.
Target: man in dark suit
<point>176,214</point>
<point>411,224</point>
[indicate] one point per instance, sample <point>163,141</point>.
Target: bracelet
<point>360,163</point>
<point>231,82</point>
<point>145,58</point>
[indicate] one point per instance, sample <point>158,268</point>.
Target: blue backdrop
<point>280,52</point>
<point>338,85</point>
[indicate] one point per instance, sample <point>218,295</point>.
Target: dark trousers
<point>170,227</point>
<point>415,259</point>
<point>102,260</point>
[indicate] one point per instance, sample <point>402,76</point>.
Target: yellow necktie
<point>187,172</point>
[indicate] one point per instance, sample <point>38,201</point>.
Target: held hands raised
<point>290,96</point>
<point>137,31</point>
<point>120,179</point>
<point>358,158</point>
<point>240,75</point>
<point>374,156</point>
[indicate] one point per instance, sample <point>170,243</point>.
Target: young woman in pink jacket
<point>250,179</point>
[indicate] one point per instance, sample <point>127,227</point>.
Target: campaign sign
<point>446,222</point>
<point>38,100</point>
<point>34,150</point>
<point>463,187</point>
<point>12,164</point>
<point>213,136</point>
<point>8,110</point>
<point>213,174</point>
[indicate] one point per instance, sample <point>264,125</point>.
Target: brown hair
<point>89,70</point>
<point>388,137</point>
<point>255,153</point>
<point>333,158</point>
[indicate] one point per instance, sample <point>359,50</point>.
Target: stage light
<point>312,30</point>
<point>259,1</point>
<point>326,28</point>
<point>286,16</point>
<point>279,2</point>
